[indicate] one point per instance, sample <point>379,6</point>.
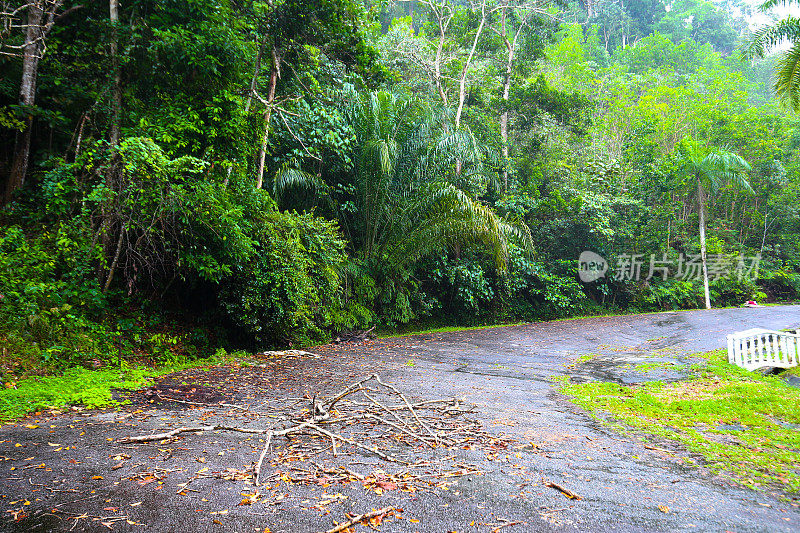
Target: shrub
<point>286,291</point>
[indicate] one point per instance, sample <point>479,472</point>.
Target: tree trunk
<point>702,212</point>
<point>273,82</point>
<point>462,82</point>
<point>443,21</point>
<point>116,105</point>
<point>764,235</point>
<point>437,68</point>
<point>669,231</point>
<point>27,97</point>
<point>253,85</point>
<point>510,48</point>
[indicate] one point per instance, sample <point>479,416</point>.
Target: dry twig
<point>356,519</point>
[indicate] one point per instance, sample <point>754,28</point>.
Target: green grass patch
<point>746,426</point>
<point>661,365</point>
<point>89,388</point>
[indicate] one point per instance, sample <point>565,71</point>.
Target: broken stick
<point>356,519</point>
<point>178,431</point>
<point>566,492</point>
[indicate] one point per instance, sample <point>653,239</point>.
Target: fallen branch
<point>290,353</point>
<point>351,442</point>
<point>355,387</point>
<point>656,448</point>
<point>377,427</point>
<point>566,492</point>
<point>257,469</point>
<point>287,431</point>
<point>194,429</point>
<point>408,404</point>
<point>355,520</point>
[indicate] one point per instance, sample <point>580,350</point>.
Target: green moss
<point>662,365</point>
<point>743,424</point>
<point>80,386</point>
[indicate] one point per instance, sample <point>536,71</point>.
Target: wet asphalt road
<point>506,372</point>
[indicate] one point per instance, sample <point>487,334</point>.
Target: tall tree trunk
<point>273,82</point>
<point>669,231</point>
<point>702,211</point>
<point>462,82</point>
<point>250,95</point>
<point>764,235</point>
<point>27,97</point>
<point>437,63</point>
<point>510,49</point>
<point>443,14</point>
<point>116,105</point>
<point>504,136</point>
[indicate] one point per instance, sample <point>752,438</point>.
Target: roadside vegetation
<point>182,177</point>
<point>741,425</point>
<point>85,388</point>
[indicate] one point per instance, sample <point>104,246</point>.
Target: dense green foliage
<point>271,173</point>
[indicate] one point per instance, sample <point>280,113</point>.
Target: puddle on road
<point>630,369</point>
<point>498,372</point>
<point>670,320</point>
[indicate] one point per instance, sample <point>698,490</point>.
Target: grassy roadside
<point>84,387</point>
<point>744,425</point>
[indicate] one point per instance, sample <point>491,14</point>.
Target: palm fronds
<point>714,168</point>
<point>290,175</point>
<point>444,216</point>
<point>769,4</point>
<point>787,79</point>
<point>787,69</point>
<point>768,37</point>
<point>411,200</point>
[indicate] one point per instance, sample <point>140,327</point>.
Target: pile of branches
<point>369,416</point>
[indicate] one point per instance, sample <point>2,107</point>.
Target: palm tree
<point>706,170</point>
<point>787,68</point>
<point>410,198</point>
<point>416,174</point>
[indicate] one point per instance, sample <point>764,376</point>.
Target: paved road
<point>506,372</point>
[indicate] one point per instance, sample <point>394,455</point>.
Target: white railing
<point>757,348</point>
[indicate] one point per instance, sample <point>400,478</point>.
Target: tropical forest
<point>419,266</point>
<point>184,177</point>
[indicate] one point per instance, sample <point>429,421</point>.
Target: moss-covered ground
<point>744,426</point>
